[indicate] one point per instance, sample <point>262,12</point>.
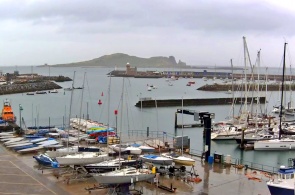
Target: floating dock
<point>149,103</point>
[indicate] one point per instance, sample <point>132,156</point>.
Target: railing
<point>236,161</point>
<point>150,134</point>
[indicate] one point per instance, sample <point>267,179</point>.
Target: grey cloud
<point>112,16</point>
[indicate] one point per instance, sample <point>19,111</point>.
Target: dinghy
<point>182,160</point>
<point>156,159</point>
<point>125,147</point>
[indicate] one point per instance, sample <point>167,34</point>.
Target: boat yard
<point>20,175</point>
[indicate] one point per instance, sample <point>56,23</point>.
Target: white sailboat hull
<point>159,160</point>
<point>275,145</point>
<point>123,176</point>
<point>123,179</point>
<point>82,158</point>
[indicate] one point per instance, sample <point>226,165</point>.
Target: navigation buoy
<point>101,93</point>
<point>99,102</point>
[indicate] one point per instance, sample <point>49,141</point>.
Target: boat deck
<point>19,175</point>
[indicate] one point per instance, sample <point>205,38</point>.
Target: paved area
<point>18,178</point>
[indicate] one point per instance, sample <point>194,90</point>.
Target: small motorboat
<point>41,92</point>
<point>53,91</point>
<point>30,93</point>
<point>43,159</point>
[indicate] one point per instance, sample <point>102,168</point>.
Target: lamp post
<point>20,116</point>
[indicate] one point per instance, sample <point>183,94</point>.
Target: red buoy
<point>116,112</point>
<point>99,102</point>
<point>101,93</point>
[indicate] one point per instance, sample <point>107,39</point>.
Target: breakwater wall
<point>196,74</point>
<point>28,87</point>
<point>194,102</point>
<point>241,87</point>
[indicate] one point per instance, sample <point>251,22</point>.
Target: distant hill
<point>120,60</point>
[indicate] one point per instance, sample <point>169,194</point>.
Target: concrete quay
<point>147,103</point>
<point>19,175</point>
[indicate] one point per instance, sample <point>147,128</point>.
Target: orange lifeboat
<point>7,113</point>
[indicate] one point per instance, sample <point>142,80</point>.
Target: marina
<point>148,127</point>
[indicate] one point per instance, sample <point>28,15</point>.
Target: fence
<point>248,164</point>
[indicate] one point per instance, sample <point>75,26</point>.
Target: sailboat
<point>111,165</point>
<point>180,159</point>
<point>278,144</point>
<point>156,159</point>
<point>125,175</point>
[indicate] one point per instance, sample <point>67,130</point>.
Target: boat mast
<point>182,126</point>
<point>258,91</point>
<point>109,104</point>
<point>232,89</point>
<point>121,122</point>
<point>266,83</point>
<point>245,69</point>
<point>282,92</point>
<point>70,111</point>
<point>81,109</point>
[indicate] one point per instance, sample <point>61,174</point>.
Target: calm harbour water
<point>53,109</point>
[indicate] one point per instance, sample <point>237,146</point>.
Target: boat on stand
<point>124,176</point>
<point>284,183</point>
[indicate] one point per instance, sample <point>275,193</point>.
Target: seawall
<point>193,102</point>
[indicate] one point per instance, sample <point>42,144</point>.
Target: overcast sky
<point>198,32</point>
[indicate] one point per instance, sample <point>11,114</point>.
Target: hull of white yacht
<point>275,145</point>
<point>160,160</point>
<point>124,177</point>
<point>82,158</point>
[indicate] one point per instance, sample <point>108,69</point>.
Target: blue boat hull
<point>43,160</point>
<point>280,191</point>
<point>24,147</point>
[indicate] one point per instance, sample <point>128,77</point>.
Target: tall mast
<point>266,83</point>
<point>121,121</point>
<point>109,104</point>
<point>70,111</point>
<point>182,126</point>
<point>81,109</point>
<point>282,92</point>
<point>258,90</point>
<point>232,88</point>
<point>245,71</point>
